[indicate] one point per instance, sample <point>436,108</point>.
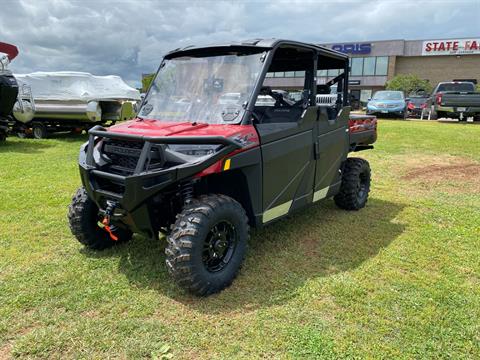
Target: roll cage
<point>321,58</point>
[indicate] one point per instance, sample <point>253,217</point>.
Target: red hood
<point>149,127</point>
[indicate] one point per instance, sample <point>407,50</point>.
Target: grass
<point>398,279</point>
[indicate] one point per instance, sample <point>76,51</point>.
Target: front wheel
<point>207,245</point>
<point>83,218</point>
<point>353,194</point>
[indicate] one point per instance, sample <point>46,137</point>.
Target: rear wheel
<point>83,218</point>
<point>207,244</point>
<point>39,131</point>
<point>355,187</point>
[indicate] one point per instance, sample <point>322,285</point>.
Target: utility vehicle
<point>206,170</point>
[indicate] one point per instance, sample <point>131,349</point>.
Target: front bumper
<point>384,110</point>
<point>415,112</point>
<point>457,110</point>
<point>132,192</point>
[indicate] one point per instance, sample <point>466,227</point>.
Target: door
<point>331,149</point>
<point>288,164</point>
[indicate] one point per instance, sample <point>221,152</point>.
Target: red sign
<point>451,47</point>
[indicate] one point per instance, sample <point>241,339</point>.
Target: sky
<point>129,37</point>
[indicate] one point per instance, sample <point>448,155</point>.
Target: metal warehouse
<point>373,63</point>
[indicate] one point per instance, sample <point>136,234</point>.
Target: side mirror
<point>407,99</point>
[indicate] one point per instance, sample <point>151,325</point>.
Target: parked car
<point>388,102</point>
<point>326,95</point>
<point>456,100</point>
<point>230,98</point>
<point>416,104</point>
<point>267,100</point>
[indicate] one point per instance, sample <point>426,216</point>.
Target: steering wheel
<point>279,100</point>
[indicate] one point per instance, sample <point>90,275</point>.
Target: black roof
<point>251,46</point>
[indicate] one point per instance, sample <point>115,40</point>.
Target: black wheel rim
<point>363,186</point>
<point>219,246</point>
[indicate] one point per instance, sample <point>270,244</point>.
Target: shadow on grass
<point>318,242</point>
<point>23,146</point>
<point>32,146</point>
<point>68,137</point>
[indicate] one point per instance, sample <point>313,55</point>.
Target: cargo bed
<point>363,131</point>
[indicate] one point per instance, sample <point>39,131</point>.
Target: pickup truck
<point>456,99</point>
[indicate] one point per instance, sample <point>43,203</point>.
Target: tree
<point>409,83</point>
<point>146,80</point>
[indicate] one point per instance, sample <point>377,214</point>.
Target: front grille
<point>326,99</point>
<point>123,155</point>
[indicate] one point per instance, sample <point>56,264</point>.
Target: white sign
<point>451,47</point>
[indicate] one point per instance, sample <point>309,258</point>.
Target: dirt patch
<point>6,351</point>
<point>449,173</point>
<point>469,172</point>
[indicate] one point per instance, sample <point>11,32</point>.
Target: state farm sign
<point>451,47</point>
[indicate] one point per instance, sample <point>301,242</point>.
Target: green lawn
<point>398,279</point>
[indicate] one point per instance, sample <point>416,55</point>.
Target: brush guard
<point>142,184</point>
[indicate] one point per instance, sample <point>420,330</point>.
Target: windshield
<point>388,95</point>
<point>456,87</point>
<point>212,90</point>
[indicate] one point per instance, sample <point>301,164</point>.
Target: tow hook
<point>105,224</point>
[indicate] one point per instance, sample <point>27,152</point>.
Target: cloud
<point>128,38</point>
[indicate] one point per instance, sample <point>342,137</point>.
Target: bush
<point>146,80</point>
<point>409,83</point>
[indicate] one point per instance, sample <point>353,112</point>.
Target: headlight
<point>195,150</point>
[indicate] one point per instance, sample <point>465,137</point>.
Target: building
<point>373,63</point>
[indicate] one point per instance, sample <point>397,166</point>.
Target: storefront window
<point>333,72</point>
<point>356,66</point>
<point>359,66</point>
<point>369,66</point>
<point>382,65</point>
